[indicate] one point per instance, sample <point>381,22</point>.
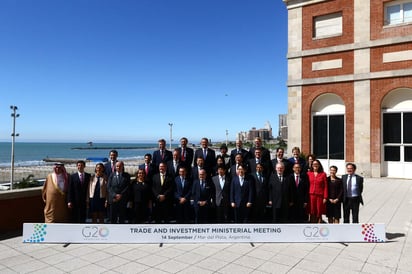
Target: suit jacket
<point>241,195</point>
<point>157,158</point>
<point>77,192</point>
<point>222,195</point>
<point>171,169</point>
<point>200,194</point>
<point>265,153</point>
<point>244,152</point>
<point>233,170</point>
<point>301,161</point>
<point>151,171</point>
<point>359,181</point>
<point>184,191</point>
<point>118,185</point>
<point>210,160</point>
<point>140,193</point>
<point>165,189</point>
<point>108,168</point>
<point>267,169</point>
<point>279,191</point>
<point>260,188</point>
<point>188,161</point>
<point>286,163</point>
<point>300,193</point>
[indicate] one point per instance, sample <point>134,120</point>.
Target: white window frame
<point>328,25</point>
<point>402,13</point>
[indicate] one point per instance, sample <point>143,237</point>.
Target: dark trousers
<point>351,204</point>
<point>118,212</point>
<point>222,213</point>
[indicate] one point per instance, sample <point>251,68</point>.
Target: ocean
<point>32,154</point>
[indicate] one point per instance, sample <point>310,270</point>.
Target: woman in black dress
<point>334,204</point>
<point>140,197</point>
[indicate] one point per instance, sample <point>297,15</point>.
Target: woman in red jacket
<point>318,192</point>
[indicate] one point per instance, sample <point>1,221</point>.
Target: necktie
<point>203,184</point>
<point>147,169</point>
<point>350,186</point>
<point>222,182</point>
<point>162,179</point>
<point>183,182</point>
<point>81,178</point>
<point>183,154</point>
<point>241,181</point>
<point>297,181</point>
<point>113,166</point>
<point>162,154</point>
<point>280,177</point>
<point>204,154</point>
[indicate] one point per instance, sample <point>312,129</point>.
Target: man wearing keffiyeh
<point>54,195</point>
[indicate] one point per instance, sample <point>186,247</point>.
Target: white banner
<point>202,233</point>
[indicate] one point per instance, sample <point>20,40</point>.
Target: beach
<point>41,171</point>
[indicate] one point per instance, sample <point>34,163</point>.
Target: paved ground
<point>387,201</point>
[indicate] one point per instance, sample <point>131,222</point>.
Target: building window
<point>397,139</point>
<point>398,12</point>
<point>328,136</point>
<point>327,25</point>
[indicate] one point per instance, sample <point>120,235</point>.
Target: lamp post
<point>227,134</point>
<point>171,135</point>
<point>13,139</point>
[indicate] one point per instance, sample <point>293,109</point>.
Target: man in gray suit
<point>222,195</point>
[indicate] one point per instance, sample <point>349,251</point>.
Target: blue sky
<point>105,71</point>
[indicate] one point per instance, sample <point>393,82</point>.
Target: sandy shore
<point>40,172</point>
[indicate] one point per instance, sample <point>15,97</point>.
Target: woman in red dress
<point>318,192</point>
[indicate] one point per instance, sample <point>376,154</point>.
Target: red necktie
<point>147,169</point>
<point>297,181</point>
<point>183,154</point>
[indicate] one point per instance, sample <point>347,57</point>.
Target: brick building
<point>350,83</point>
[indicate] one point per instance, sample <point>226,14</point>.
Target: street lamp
<point>171,135</point>
<point>13,139</point>
<point>227,134</point>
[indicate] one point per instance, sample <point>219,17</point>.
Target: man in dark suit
<point>208,154</point>
<point>238,161</point>
<point>260,178</point>
<point>257,159</point>
<point>264,151</point>
<point>182,196</point>
<point>239,150</point>
<point>222,195</point>
<point>148,168</point>
<point>186,154</point>
<point>296,158</point>
<point>280,158</point>
<point>300,192</point>
<point>352,193</point>
<point>202,194</point>
<point>77,193</point>
<point>279,195</point>
<point>174,164</point>
<point>241,195</point>
<point>118,194</point>
<point>110,166</point>
<point>162,155</point>
<point>162,189</point>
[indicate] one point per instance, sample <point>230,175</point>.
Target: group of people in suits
<point>198,186</point>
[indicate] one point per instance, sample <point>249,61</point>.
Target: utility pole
<point>227,134</point>
<point>13,139</point>
<point>171,135</point>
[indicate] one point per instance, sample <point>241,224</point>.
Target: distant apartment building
<point>283,126</point>
<point>350,83</point>
<point>264,133</point>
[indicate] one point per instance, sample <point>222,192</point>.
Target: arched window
<point>328,130</point>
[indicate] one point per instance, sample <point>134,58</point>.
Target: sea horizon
<point>33,153</point>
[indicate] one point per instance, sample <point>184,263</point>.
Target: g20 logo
<point>95,232</point>
<point>315,232</point>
